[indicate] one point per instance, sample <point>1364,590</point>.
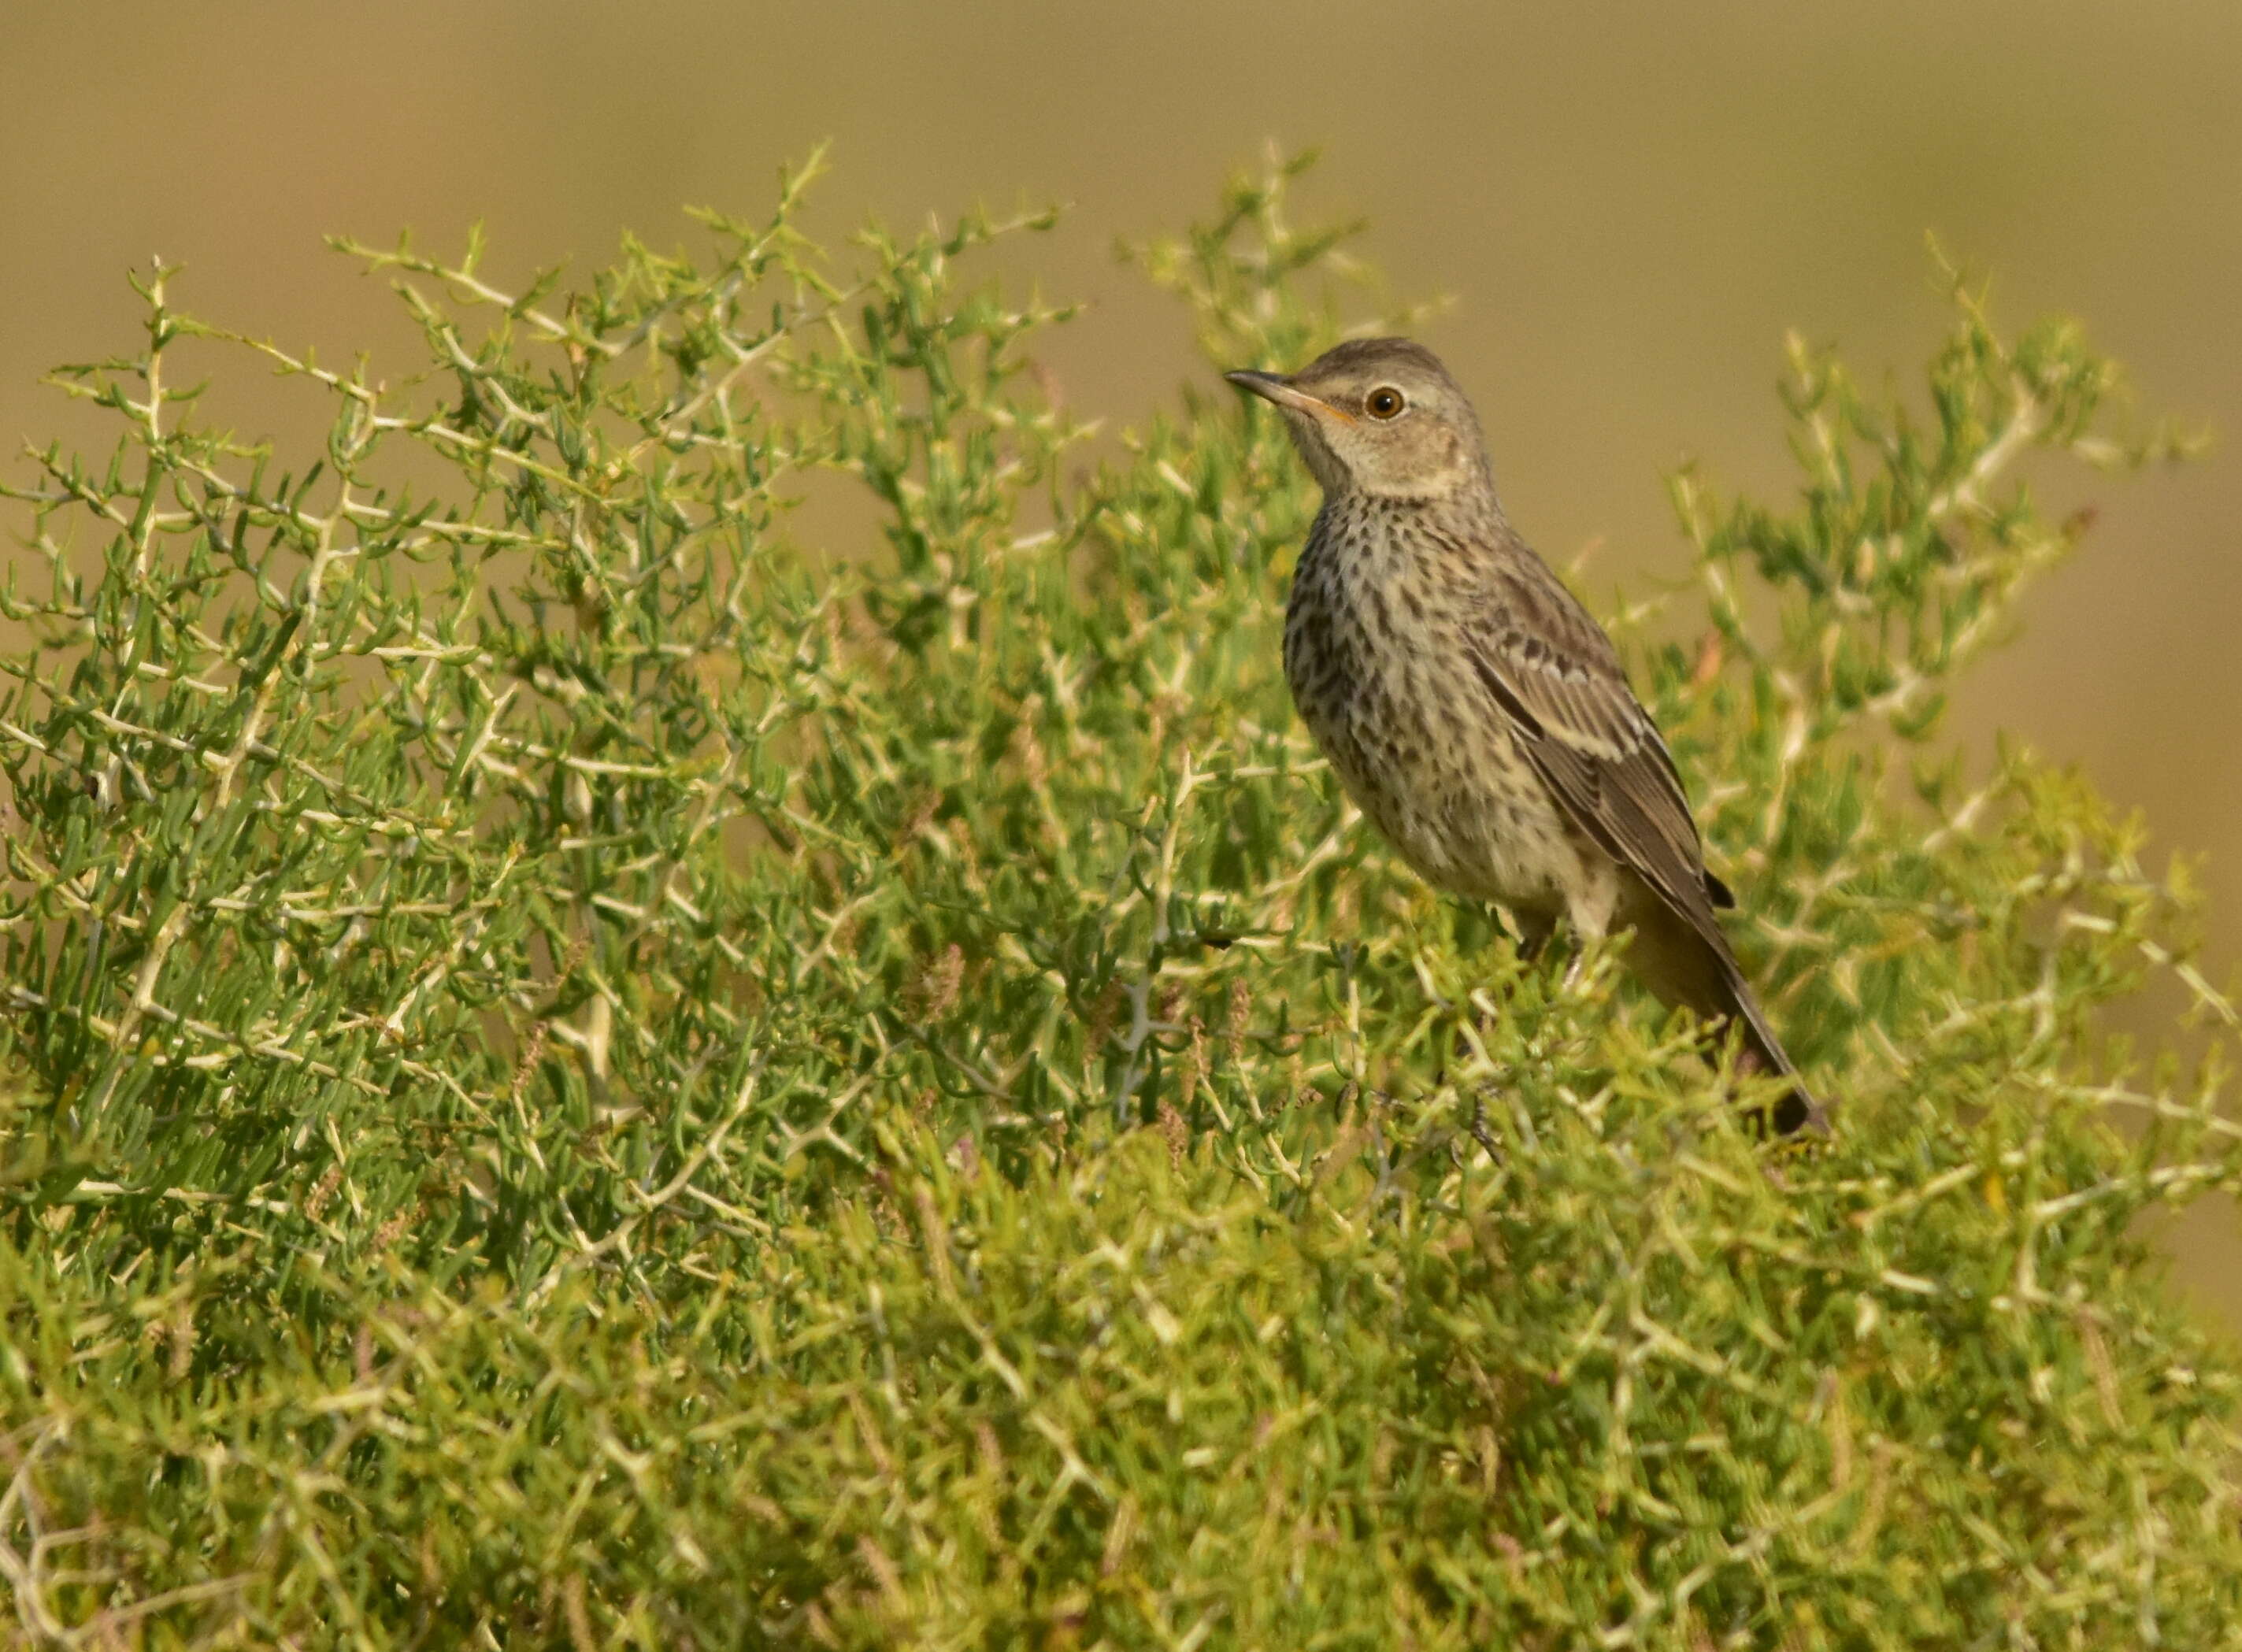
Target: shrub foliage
<point>589,1066</point>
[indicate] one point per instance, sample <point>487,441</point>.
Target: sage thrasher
<point>1471,707</point>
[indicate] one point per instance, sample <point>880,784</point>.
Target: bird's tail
<point>1688,963</point>
<point>1797,1110</point>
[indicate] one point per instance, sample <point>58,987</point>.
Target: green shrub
<point>582,1071</point>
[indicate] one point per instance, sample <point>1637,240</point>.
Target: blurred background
<point>1629,205</point>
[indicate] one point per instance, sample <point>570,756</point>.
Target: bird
<point>1473,709</point>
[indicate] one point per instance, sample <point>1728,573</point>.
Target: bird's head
<point>1379,416</point>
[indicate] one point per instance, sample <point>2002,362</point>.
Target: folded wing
<point>1557,676</point>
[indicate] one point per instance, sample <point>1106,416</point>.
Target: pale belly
<point>1425,752</point>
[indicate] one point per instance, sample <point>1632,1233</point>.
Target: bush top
<point>582,1069</point>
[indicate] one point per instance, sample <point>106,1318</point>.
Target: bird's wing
<point>1555,674</point>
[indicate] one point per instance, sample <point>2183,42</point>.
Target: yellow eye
<point>1385,402</point>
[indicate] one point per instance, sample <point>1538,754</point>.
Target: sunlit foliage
<point>588,1066</point>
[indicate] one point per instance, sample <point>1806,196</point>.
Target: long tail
<point>1797,1110</point>
<point>1688,963</point>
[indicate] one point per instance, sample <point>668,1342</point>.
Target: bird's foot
<point>1531,935</point>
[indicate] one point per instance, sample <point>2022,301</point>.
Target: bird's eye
<point>1385,402</point>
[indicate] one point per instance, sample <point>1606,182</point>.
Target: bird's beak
<point>1273,388</point>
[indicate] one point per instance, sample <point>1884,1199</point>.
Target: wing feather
<point>1553,670</point>
<point>1555,675</point>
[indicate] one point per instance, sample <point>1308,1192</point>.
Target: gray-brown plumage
<point>1473,708</point>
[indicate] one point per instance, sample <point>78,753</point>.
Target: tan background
<point>1630,203</point>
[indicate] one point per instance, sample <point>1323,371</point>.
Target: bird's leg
<point>1577,970</point>
<point>1533,930</point>
<point>1589,909</point>
<point>1529,934</point>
